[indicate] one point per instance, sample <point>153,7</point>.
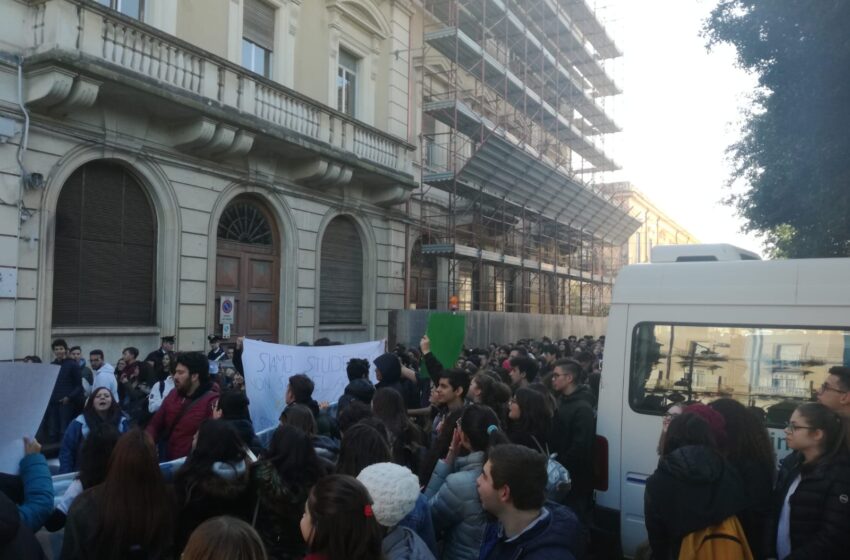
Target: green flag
<point>446,332</point>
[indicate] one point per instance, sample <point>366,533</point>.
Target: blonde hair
<point>224,537</point>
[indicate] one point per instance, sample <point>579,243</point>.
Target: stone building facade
<point>266,154</point>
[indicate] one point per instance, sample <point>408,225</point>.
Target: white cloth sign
<point>268,368</point>
<point>25,398</point>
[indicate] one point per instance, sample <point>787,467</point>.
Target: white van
<point>703,322</point>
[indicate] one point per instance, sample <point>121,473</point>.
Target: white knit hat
<point>394,490</point>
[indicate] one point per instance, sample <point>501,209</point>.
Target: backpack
<point>724,541</point>
<point>558,483</point>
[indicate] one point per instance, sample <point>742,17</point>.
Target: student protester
<point>573,429</point>
<point>549,355</point>
<point>101,408</point>
<point>174,425</point>
<point>388,372</point>
<point>224,537</point>
<point>395,491</point>
<point>834,393</point>
<point>811,512</point>
<point>406,439</point>
<point>66,399</point>
<point>232,407</point>
<point>364,445</point>
<point>352,414</point>
<point>301,417</point>
<point>694,487</point>
<point>213,481</point>
<point>530,420</point>
<point>91,470</point>
<point>280,484</point>
<point>488,390</point>
<point>154,359</point>
<point>299,391</point>
<point>523,371</point>
<point>134,386</point>
<point>359,387</point>
<point>101,523</point>
<point>86,376</point>
<point>104,373</point>
<point>452,494</point>
<point>164,385</point>
<point>339,523</point>
<point>512,489</point>
<point>449,395</point>
<point>749,450</point>
<point>672,411</point>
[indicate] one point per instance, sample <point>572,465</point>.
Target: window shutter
<point>258,24</point>
<point>341,299</point>
<point>105,256</point>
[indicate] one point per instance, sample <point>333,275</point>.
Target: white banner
<point>268,368</point>
<point>24,398</point>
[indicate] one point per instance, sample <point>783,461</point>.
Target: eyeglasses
<point>790,427</point>
<point>827,387</point>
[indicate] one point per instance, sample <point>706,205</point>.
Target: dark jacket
<point>245,428</point>
<point>391,379</point>
<point>557,537</point>
<point>278,508</point>
<point>820,508</point>
<point>182,430</point>
<point>68,382</point>
<point>573,431</point>
<point>693,487</point>
<point>17,541</point>
<point>359,389</point>
<point>419,520</point>
<point>82,527</point>
<point>434,367</point>
<point>223,491</point>
<point>755,520</point>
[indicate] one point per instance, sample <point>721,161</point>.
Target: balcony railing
<point>115,42</point>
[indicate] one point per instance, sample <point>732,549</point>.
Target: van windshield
<point>770,369</point>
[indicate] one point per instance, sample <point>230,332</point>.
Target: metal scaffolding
<point>513,128</point>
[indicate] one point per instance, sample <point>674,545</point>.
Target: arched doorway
<point>248,268</point>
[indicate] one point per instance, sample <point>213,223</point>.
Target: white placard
<point>268,368</point>
<point>26,394</point>
<point>227,310</point>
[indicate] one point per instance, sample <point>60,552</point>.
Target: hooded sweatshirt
<point>391,379</point>
<point>693,487</point>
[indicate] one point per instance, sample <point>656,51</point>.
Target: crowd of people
<point>490,458</point>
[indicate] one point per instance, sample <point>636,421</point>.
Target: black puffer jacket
<point>573,431</point>
<point>360,389</point>
<point>692,488</point>
<point>820,507</point>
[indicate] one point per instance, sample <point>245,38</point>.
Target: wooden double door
<point>248,268</point>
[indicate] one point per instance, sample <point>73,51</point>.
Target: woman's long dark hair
<point>218,441</point>
<point>343,527</point>
<point>746,436</point>
<point>477,424</point>
<point>135,508</point>
<point>688,429</point>
<point>535,418</point>
<point>95,453</point>
<point>113,415</point>
<point>293,456</point>
<point>494,394</point>
<point>361,446</point>
<point>822,418</point>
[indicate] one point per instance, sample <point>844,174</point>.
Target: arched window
<point>341,294</point>
<point>105,253</point>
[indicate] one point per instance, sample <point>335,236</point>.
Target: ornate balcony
<point>82,52</point>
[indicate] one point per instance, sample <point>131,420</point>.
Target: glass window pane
<point>769,368</point>
<point>247,54</point>
<point>348,61</point>
<point>132,8</point>
<point>266,70</point>
<point>351,88</point>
